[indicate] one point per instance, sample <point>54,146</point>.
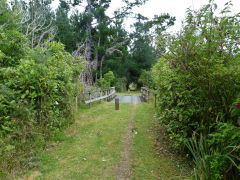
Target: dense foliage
<point>37,87</point>
<point>107,81</point>
<point>146,79</point>
<point>198,91</point>
<point>111,47</point>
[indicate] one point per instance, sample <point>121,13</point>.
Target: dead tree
<point>37,23</point>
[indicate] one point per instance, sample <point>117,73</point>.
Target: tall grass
<point>200,152</point>
<point>212,163</point>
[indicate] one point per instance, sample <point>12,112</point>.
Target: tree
<point>109,77</point>
<point>143,51</point>
<point>13,44</point>
<point>36,18</point>
<point>198,89</point>
<point>65,32</point>
<point>95,42</point>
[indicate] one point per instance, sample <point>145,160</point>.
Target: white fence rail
<point>96,95</point>
<point>110,94</point>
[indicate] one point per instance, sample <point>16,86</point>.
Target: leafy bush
<point>109,77</point>
<point>216,155</point>
<point>225,142</point>
<point>121,84</point>
<point>13,47</point>
<point>36,97</point>
<point>198,85</point>
<point>146,79</point>
<point>103,83</point>
<point>37,88</point>
<point>44,81</point>
<point>106,82</point>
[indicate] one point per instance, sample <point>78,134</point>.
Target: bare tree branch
<point>80,47</point>
<point>37,24</point>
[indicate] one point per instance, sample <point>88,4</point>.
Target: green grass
<point>91,148</point>
<point>146,164</point>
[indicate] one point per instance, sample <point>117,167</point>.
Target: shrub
<point>109,77</point>
<point>106,82</point>
<point>103,83</point>
<point>146,79</point>
<point>198,85</point>
<point>121,84</point>
<point>13,47</point>
<point>36,97</point>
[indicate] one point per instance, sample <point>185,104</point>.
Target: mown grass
<point>91,147</point>
<point>146,163</point>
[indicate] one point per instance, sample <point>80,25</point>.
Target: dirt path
<point>124,166</point>
<point>106,144</point>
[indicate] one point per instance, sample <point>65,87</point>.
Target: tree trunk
<point>101,65</point>
<point>88,44</point>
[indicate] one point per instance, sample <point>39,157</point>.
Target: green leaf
<point>6,128</point>
<point>9,147</point>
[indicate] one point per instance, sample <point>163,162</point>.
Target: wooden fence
<point>146,95</point>
<point>97,95</point>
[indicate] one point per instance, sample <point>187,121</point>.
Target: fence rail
<point>96,95</point>
<point>104,94</point>
<point>146,94</point>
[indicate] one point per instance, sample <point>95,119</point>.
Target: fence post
<point>116,103</point>
<point>76,101</point>
<point>90,99</point>
<point>145,94</point>
<point>148,96</point>
<point>111,94</point>
<point>100,96</point>
<point>105,94</point>
<point>108,94</point>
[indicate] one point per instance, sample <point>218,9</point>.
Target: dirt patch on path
<point>124,166</point>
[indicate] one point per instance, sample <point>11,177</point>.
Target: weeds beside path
<point>106,144</point>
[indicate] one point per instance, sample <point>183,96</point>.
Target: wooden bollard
<point>104,93</point>
<point>90,100</point>
<point>148,97</point>
<point>76,101</point>
<point>116,103</point>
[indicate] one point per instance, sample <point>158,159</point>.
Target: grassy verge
<point>90,148</point>
<point>20,148</point>
<point>146,162</point>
